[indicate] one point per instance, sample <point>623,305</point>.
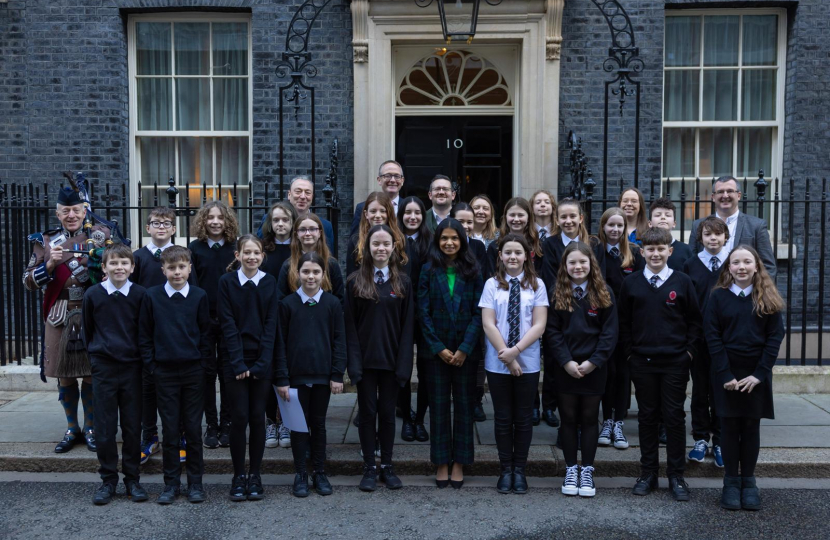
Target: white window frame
<point>137,228</point>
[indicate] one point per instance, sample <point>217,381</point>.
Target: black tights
<point>247,399</point>
<point>405,394</point>
<point>740,441</point>
<point>583,410</point>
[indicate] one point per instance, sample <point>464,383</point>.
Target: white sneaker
<point>284,436</point>
<point>586,482</point>
<point>605,434</point>
<point>571,484</point>
<point>620,442</point>
<point>271,440</point>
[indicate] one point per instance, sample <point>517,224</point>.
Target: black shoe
<point>255,490</point>
<point>421,434</point>
<point>408,431</point>
<point>69,440</point>
<point>388,477</point>
<point>441,484</point>
<point>168,496</point>
<point>730,498</point>
<point>645,484</point>
<point>321,483</point>
<point>456,484</point>
<point>679,488</point>
<point>662,438</point>
<point>239,486</point>
<point>369,482</point>
<point>225,435</point>
<point>750,495</point>
<point>356,420</point>
<point>135,492</point>
<point>89,437</point>
<point>519,481</point>
<point>478,413</point>
<point>536,417</point>
<point>551,418</point>
<point>212,436</point>
<point>505,483</point>
<point>300,488</point>
<point>196,493</point>
<point>104,494</point>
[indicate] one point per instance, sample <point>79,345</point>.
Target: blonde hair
<point>765,296</point>
<point>489,232</point>
<point>625,246</point>
<point>642,218</point>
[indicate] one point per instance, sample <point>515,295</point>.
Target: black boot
<point>519,481</point>
<point>300,488</point>
<point>505,483</point>
<point>750,496</point>
<point>730,498</point>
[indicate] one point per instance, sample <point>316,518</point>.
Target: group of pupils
<point>473,301</point>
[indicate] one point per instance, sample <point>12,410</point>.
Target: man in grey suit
<point>743,228</point>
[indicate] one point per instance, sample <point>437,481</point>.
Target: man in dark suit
<point>743,228</point>
<point>442,195</point>
<point>301,196</point>
<point>390,180</point>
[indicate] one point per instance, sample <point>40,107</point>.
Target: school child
<point>312,361</point>
<point>633,206</point>
<point>484,227</point>
<point>377,210</point>
<point>704,270</point>
<point>517,218</point>
<point>660,327</point>
<point>662,214</point>
<point>514,308</point>
<point>581,335</point>
<point>379,314</point>
<point>276,237</point>
<point>544,210</point>
<point>411,212</point>
<point>448,294</point>
<point>623,259</point>
<point>216,229</point>
<point>110,328</point>
<point>744,330</point>
<point>248,316</point>
<point>174,340</point>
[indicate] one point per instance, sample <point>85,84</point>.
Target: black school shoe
<point>537,417</point>
<point>211,436</point>
<point>225,435</point>
<point>551,419</point>
<point>255,490</point>
<point>421,434</point>
<point>519,481</point>
<point>321,483</point>
<point>104,494</point>
<point>505,483</point>
<point>70,439</point>
<point>239,486</point>
<point>478,413</point>
<point>369,482</point>
<point>196,494</point>
<point>300,487</point>
<point>89,437</point>
<point>135,492</point>
<point>679,488</point>
<point>388,477</point>
<point>646,483</point>
<point>408,431</point>
<point>168,496</point>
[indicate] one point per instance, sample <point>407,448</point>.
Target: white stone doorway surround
<point>533,26</point>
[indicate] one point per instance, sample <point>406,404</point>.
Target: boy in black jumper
<point>662,215</point>
<point>110,328</point>
<point>173,339</point>
<point>660,327</point>
<point>704,270</point>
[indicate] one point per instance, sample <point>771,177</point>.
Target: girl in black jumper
<point>308,236</point>
<point>379,324</point>
<point>570,227</point>
<point>248,315</point>
<point>377,210</point>
<point>312,361</point>
<point>581,335</point>
<point>743,330</point>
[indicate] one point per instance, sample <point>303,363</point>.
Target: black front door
<point>475,152</point>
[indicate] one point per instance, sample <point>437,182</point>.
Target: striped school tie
<point>714,263</point>
<point>379,277</point>
<point>615,252</point>
<point>513,321</point>
<point>578,293</point>
<point>653,280</point>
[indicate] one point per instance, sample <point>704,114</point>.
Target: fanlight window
<point>454,79</point>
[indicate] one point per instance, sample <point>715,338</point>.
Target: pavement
<point>794,445</point>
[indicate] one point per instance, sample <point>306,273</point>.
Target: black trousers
<point>180,389</point>
<point>116,387</point>
<point>549,395</point>
<point>213,369</point>
<point>513,415</point>
<point>377,393</point>
<point>704,417</point>
<point>149,405</point>
<point>741,444</point>
<point>617,398</point>
<point>315,403</point>
<point>661,389</point>
<point>247,403</point>
<point>579,409</point>
<point>405,394</point>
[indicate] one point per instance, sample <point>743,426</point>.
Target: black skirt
<point>736,404</point>
<point>591,385</point>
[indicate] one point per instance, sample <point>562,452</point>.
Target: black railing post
<point>821,269</point>
<point>590,184</point>
<point>761,189</point>
<point>790,234</point>
<point>804,272</point>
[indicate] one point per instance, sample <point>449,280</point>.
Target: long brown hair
<point>240,245</point>
<point>583,229</point>
<point>529,280</point>
<point>530,233</point>
<point>269,240</point>
<point>231,223</point>
<point>765,297</point>
<point>642,218</point>
<point>624,245</point>
<point>552,202</point>
<point>321,248</point>
<point>598,296</point>
<point>363,280</point>
<point>489,232</point>
<point>391,221</point>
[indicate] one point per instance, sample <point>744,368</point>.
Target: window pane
<point>682,92</point>
<point>155,106</point>
<point>157,162</point>
<point>230,48</point>
<point>679,152</point>
<point>720,94</point>
<point>720,40</point>
<point>715,152</point>
<point>193,104</point>
<point>760,40</point>
<point>682,41</point>
<point>192,48</point>
<point>230,104</point>
<point>152,48</point>
<point>232,160</point>
<point>758,94</point>
<point>754,151</point>
<point>195,162</point>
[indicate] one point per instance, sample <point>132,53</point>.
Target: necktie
<point>653,280</point>
<point>543,233</point>
<point>615,252</point>
<point>742,295</point>
<point>178,295</point>
<point>216,246</point>
<point>379,277</point>
<point>116,293</point>
<point>578,293</point>
<point>714,263</point>
<point>250,284</point>
<point>157,254</point>
<point>310,302</point>
<point>513,320</point>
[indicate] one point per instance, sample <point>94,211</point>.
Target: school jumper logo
<point>672,298</point>
<point>592,312</point>
<point>628,270</point>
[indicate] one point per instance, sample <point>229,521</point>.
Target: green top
<point>451,279</point>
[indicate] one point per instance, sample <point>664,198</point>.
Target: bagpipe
<point>94,253</point>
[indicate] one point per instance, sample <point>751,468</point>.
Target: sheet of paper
<point>292,411</point>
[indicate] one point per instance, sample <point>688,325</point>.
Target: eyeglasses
<point>726,192</point>
<point>395,177</point>
<point>442,190</point>
<point>161,224</point>
<point>309,230</point>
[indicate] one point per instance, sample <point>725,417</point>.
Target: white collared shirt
<point>706,257</point>
<point>663,275</point>
<point>212,242</point>
<point>282,242</point>
<point>151,247</point>
<point>243,279</point>
<point>384,271</point>
<point>584,287</point>
<point>305,298</point>
<point>438,219</point>
<point>737,290</point>
<point>171,291</point>
<point>732,225</point>
<point>413,236</point>
<point>547,229</point>
<point>609,247</point>
<point>125,288</point>
<point>566,240</point>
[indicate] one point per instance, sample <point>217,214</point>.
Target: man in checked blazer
<point>743,228</point>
